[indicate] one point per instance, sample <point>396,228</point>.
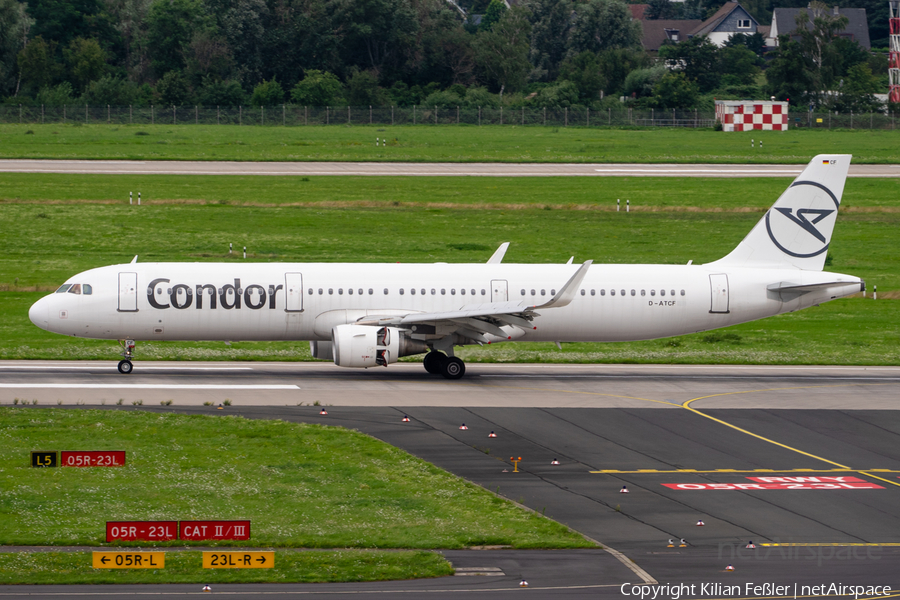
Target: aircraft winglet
<point>568,291</point>
<point>497,257</point>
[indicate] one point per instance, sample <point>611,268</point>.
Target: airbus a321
<point>368,315</point>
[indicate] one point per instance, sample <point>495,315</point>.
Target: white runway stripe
<point>143,368</point>
<point>143,386</point>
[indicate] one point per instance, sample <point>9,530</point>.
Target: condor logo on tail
<point>812,210</point>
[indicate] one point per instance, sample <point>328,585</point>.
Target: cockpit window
<point>87,290</point>
<point>64,288</point>
<point>75,289</point>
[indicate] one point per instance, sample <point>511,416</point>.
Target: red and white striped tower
<point>894,60</point>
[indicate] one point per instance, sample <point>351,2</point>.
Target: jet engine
<point>363,346</point>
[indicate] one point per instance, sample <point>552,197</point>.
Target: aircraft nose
<point>39,313</point>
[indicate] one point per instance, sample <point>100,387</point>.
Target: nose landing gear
<point>125,366</point>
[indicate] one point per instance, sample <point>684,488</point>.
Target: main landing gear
<point>125,366</point>
<point>439,363</point>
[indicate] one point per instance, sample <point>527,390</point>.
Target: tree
<point>171,25</point>
<point>617,63</point>
<point>791,73</point>
<point>38,66</point>
<point>602,24</point>
<point>585,71</point>
<point>218,92</point>
<point>364,91</point>
<point>495,11</point>
<point>318,88</point>
<point>174,89</point>
<point>376,34</point>
<point>640,82</point>
<point>243,24</point>
<point>674,90</point>
<point>502,52</point>
<point>738,65</point>
<point>56,96</point>
<point>267,93</point>
<point>661,9</point>
<point>550,21</point>
<point>86,60</point>
<point>859,89</point>
<point>697,58</point>
<point>109,90</point>
<point>64,20</point>
<point>560,95</point>
<point>14,26</point>
<point>755,42</point>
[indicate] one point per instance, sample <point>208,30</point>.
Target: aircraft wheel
<point>433,361</point>
<point>453,368</point>
<point>125,367</point>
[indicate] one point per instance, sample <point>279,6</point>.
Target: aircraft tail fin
<point>796,231</point>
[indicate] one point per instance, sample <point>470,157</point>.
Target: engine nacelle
<point>363,346</point>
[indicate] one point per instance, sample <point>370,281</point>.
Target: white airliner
<point>366,315</point>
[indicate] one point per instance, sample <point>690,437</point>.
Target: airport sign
<point>149,531</point>
<point>214,530</point>
<point>93,458</point>
<point>43,459</point>
<point>238,560</point>
<point>129,560</point>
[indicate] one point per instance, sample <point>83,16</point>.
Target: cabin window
<point>412,291</point>
<point>432,291</point>
<point>672,292</point>
<point>401,291</point>
<point>644,292</point>
<point>462,291</point>
<point>552,292</point>
<point>483,292</point>
<point>452,291</point>
<point>330,291</point>
<point>221,291</point>
<point>310,291</point>
<point>583,292</point>
<point>543,292</point>
<point>661,293</point>
<point>360,291</point>
<point>350,291</point>
<point>682,292</point>
<point>633,292</point>
<point>532,292</point>
<point>523,292</point>
<point>340,291</point>
<point>652,292</point>
<point>87,290</point>
<point>321,291</point>
<point>612,292</point>
<point>473,292</point>
<point>64,288</point>
<point>443,292</point>
<point>622,292</point>
<point>385,291</point>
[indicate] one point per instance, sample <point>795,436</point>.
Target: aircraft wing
<point>477,321</point>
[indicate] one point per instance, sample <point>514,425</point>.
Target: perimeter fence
<point>292,116</point>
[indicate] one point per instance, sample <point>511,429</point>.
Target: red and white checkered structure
<point>740,115</point>
<point>894,56</point>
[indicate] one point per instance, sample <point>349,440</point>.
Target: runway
<point>796,459</point>
<point>112,167</point>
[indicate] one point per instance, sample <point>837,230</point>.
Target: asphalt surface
<point>642,427</point>
<point>421,169</point>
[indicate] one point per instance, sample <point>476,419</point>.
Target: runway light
<point>729,568</point>
<point>671,543</point>
<point>323,412</point>
<point>463,427</point>
<point>523,583</point>
<point>206,588</point>
<point>219,407</point>
<point>624,490</point>
<point>492,435</point>
<point>554,462</point>
<point>683,544</point>
<point>405,419</point>
<point>750,545</point>
<point>700,523</point>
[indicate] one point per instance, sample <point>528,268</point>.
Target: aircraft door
<point>499,290</point>
<point>718,285</point>
<point>128,292</point>
<point>293,292</point>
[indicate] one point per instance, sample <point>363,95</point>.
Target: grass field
<point>47,568</point>
<point>300,485</point>
<point>60,225</point>
<point>509,143</point>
